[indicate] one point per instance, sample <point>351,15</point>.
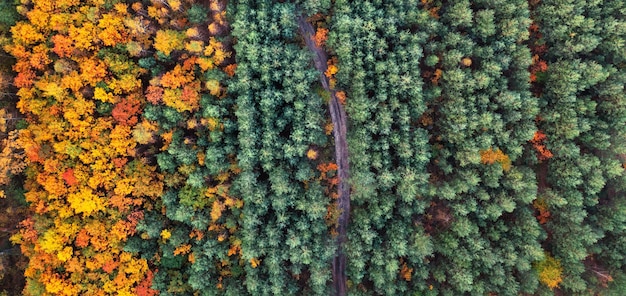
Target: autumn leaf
<point>214,87</point>
<point>341,97</point>
<point>549,270</point>
<point>26,34</point>
<point>405,271</point>
<point>125,112</point>
<point>176,78</point>
<point>110,265</point>
<point>143,133</point>
<point>113,30</point>
<point>541,206</point>
<point>69,177</point>
<point>24,79</point>
<point>195,46</point>
<point>165,234</point>
<point>183,249</point>
<point>216,210</point>
<point>436,76</point>
<point>491,156</point>
<point>82,239</point>
<point>538,142</point>
<point>254,262</point>
<point>466,62</point>
<point>331,70</point>
<point>63,45</point>
<point>230,70</point>
<point>143,289</point>
<point>328,128</point>
<point>311,154</point>
<point>167,41</point>
<point>320,37</point>
<point>85,202</point>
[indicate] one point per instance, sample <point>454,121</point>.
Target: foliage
<point>373,43</point>
<point>84,181</point>
<point>582,113</point>
<point>285,236</point>
<point>191,232</point>
<point>491,156</point>
<point>185,147</point>
<point>425,183</point>
<point>538,142</point>
<point>549,270</point>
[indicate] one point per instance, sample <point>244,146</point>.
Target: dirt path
<point>338,116</point>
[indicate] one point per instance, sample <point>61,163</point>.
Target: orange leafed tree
<point>63,45</point>
<point>491,156</point>
<point>125,112</point>
<point>341,96</point>
<point>143,289</point>
<point>538,143</point>
<point>320,37</point>
<point>154,94</point>
<point>405,271</point>
<point>230,70</point>
<point>543,212</point>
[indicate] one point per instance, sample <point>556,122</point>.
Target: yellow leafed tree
<point>167,41</point>
<point>549,271</point>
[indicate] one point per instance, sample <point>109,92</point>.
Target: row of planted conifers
<point>190,147</point>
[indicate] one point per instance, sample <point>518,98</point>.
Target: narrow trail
<point>338,117</point>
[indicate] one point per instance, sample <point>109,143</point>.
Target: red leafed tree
<point>69,177</point>
<point>230,69</point>
<point>125,112</point>
<point>143,289</point>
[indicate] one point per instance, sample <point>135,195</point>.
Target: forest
<point>312,147</point>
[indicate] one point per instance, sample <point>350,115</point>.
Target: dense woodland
<point>189,147</point>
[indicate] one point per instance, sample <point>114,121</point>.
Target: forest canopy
<point>312,147</point>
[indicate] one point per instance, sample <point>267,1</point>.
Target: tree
<point>125,112</point>
<point>167,41</point>
<point>549,270</point>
